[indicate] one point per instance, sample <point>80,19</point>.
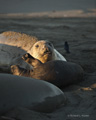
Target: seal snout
<point>47,50</point>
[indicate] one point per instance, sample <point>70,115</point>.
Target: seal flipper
<point>17,70</point>
<point>31,60</point>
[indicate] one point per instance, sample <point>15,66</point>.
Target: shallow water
<point>79,32</point>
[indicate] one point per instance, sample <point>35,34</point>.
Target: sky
<point>28,6</point>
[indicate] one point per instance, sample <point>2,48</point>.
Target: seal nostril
<point>47,50</point>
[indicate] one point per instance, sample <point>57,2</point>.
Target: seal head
<point>43,51</point>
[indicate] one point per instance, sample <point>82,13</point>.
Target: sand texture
<point>80,33</point>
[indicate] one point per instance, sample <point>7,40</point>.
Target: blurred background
<point>28,6</point>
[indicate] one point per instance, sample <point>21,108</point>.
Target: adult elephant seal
<point>17,91</point>
<point>58,72</point>
<point>13,45</point>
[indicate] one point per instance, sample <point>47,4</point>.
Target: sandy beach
<point>80,33</point>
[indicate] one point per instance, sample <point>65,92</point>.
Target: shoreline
<point>52,14</point>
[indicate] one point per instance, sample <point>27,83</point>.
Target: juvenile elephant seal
<point>14,45</point>
<point>17,91</point>
<point>44,51</point>
<point>58,72</point>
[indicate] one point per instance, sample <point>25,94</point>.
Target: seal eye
<point>37,46</point>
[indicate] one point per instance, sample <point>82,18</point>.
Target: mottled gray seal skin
<point>18,91</point>
<point>58,72</point>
